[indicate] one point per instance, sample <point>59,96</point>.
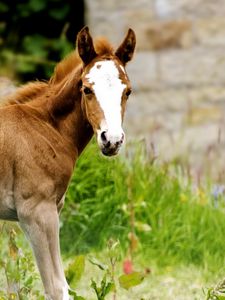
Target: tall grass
<point>173,222</point>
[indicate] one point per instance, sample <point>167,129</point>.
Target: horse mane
<point>72,61</point>
<point>26,93</point>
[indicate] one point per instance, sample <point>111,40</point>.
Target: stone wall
<point>178,73</point>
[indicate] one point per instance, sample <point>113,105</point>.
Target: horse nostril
<point>108,144</point>
<point>119,143</point>
<point>105,141</point>
<point>103,136</point>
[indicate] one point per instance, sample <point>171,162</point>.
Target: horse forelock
<point>73,60</point>
<point>103,47</point>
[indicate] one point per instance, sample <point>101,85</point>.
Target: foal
<point>43,129</point>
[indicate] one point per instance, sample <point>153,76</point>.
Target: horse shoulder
<point>41,158</point>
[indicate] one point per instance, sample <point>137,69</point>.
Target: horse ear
<point>85,46</point>
<point>126,49</point>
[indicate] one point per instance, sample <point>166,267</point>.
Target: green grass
<point>165,222</point>
<point>185,226</point>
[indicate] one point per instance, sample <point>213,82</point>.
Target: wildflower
<point>183,198</point>
<point>217,191</point>
<point>202,198</point>
<point>127,266</point>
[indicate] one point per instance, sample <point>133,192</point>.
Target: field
<point>130,214</point>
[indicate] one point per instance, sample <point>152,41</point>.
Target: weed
<point>19,269</point>
<point>146,210</point>
<point>149,207</point>
<point>218,292</point>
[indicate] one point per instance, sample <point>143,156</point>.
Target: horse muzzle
<point>109,144</point>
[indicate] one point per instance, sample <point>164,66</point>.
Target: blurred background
<point>163,199</point>
<point>178,72</point>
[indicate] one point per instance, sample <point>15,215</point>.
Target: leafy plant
<point>218,292</point>
<point>104,288</point>
<point>174,222</point>
<point>75,270</point>
<point>109,281</point>
<point>19,269</point>
<point>75,296</point>
<point>32,51</point>
<point>128,281</point>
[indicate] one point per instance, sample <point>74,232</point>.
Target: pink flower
<point>127,266</point>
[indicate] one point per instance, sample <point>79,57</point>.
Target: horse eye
<point>128,92</point>
<point>87,91</point>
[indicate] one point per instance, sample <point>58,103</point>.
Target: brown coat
<point>43,129</point>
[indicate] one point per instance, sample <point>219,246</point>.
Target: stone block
<point>210,31</point>
<point>174,109</point>
<point>113,18</point>
<point>142,70</point>
<point>168,9</point>
<point>160,117</point>
<point>168,34</point>
<point>193,67</point>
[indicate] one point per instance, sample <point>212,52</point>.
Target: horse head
<point>105,89</point>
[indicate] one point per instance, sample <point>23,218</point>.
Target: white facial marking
<point>108,89</point>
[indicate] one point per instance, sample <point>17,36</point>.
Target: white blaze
<point>108,89</point>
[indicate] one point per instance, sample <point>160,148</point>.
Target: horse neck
<point>65,111</point>
<point>75,128</point>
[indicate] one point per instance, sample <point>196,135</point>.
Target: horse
<point>44,127</point>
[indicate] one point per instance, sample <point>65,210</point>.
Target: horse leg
<point>60,204</point>
<point>42,230</point>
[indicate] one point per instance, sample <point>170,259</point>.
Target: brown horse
<point>43,129</point>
